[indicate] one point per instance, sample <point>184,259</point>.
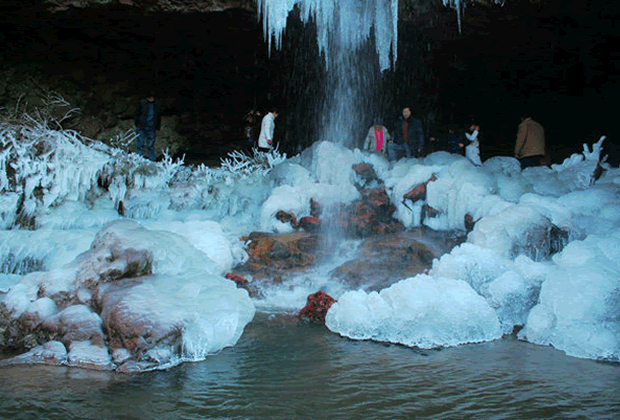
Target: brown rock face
<point>156,5</point>
<point>384,260</point>
<point>271,255</point>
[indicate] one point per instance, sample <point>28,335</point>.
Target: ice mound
<point>422,311</point>
<point>579,301</point>
<point>205,235</point>
<point>517,230</point>
<point>329,163</point>
<point>138,299</point>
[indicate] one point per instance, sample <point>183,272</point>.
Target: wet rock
<point>243,283</point>
<point>370,216</point>
<point>277,254</point>
<point>104,302</point>
<point>86,355</point>
<point>315,208</point>
<point>287,217</point>
<point>75,323</point>
<point>310,224</point>
<point>137,329</point>
<point>419,191</point>
<point>133,366</point>
<point>376,197</point>
<point>316,307</point>
<point>469,223</point>
<point>365,172</point>
<point>382,261</point>
<point>51,353</point>
<point>239,281</point>
<point>429,212</point>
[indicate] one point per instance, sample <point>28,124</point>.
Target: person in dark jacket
<point>148,120</point>
<point>456,144</point>
<point>408,136</point>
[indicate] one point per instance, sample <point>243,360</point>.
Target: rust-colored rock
<point>310,224</point>
<point>316,307</point>
<point>419,191</point>
<point>243,283</point>
<point>239,281</point>
<point>376,196</point>
<point>365,172</point>
<point>286,217</point>
<point>371,216</point>
<point>384,260</point>
<point>428,211</point>
<point>277,254</point>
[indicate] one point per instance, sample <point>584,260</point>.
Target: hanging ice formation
<point>347,23</point>
<point>455,4</point>
<point>459,6</point>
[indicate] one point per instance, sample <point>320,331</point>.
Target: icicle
<point>346,23</point>
<point>459,6</point>
<point>455,4</point>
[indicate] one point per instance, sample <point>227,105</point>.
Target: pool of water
<point>284,369</point>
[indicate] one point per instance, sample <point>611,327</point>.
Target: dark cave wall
<point>557,58</point>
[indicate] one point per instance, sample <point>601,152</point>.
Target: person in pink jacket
<point>377,138</point>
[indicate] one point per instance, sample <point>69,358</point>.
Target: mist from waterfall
<point>357,40</point>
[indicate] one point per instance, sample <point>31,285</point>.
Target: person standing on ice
<point>455,143</point>
<point>265,139</point>
<point>530,145</point>
<point>408,136</point>
<point>472,150</point>
<point>148,120</point>
<point>377,138</point>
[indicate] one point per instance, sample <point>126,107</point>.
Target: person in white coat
<point>472,150</point>
<point>265,139</point>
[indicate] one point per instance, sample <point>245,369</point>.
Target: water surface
<point>284,369</point>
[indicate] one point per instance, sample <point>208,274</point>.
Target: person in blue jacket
<point>148,120</point>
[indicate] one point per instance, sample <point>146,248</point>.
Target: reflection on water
<point>281,369</point>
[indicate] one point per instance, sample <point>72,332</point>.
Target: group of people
<point>408,135</point>
<point>409,138</point>
<point>147,119</point>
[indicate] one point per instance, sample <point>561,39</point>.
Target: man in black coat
<point>148,121</point>
<point>408,136</point>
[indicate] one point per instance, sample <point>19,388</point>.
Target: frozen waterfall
<point>346,23</point>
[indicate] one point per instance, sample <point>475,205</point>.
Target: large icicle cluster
<point>347,23</point>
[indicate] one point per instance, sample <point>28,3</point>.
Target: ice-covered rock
<point>517,230</point>
<point>87,355</point>
<point>423,311</point>
<point>149,292</point>
<point>579,301</point>
<point>50,353</point>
